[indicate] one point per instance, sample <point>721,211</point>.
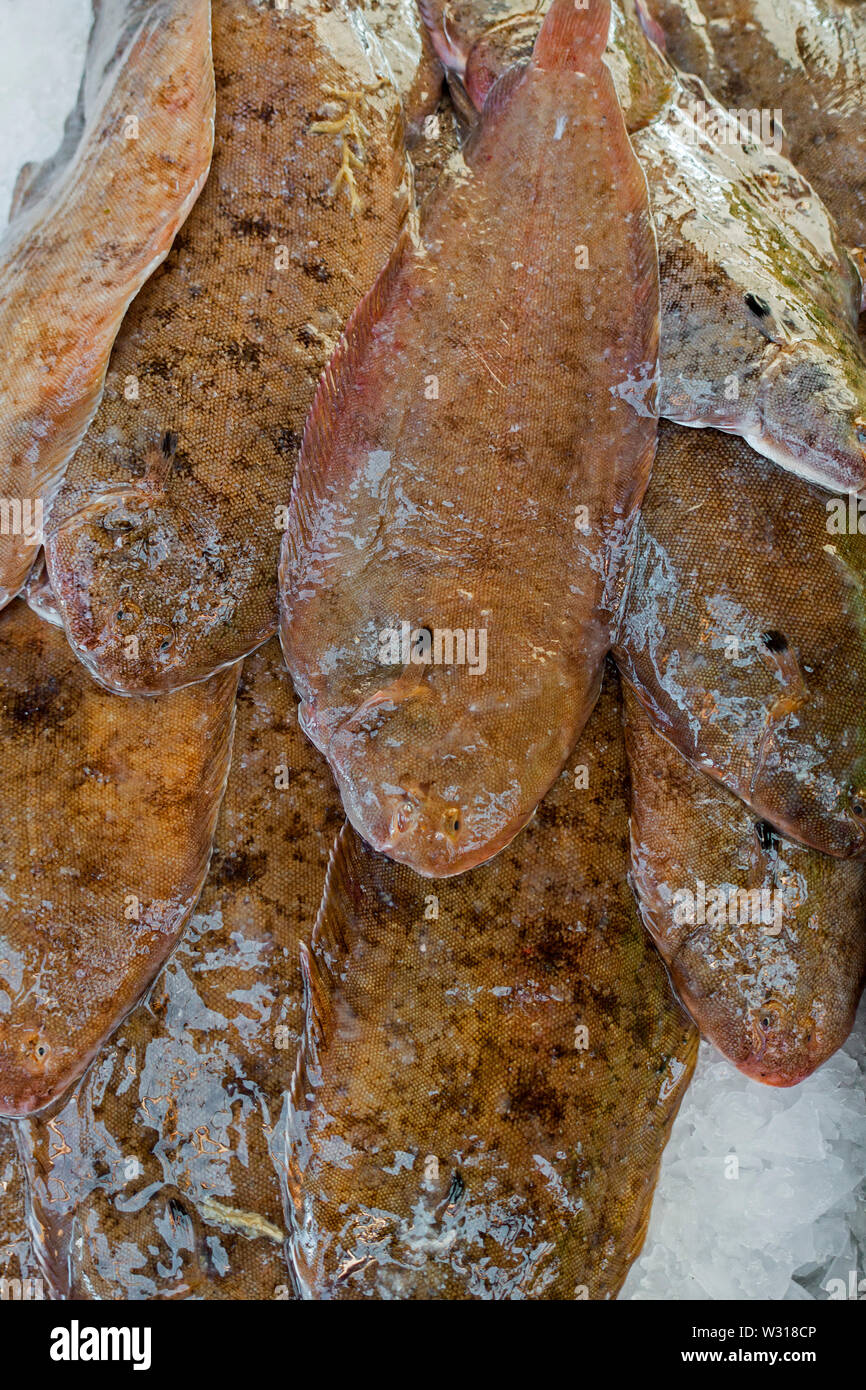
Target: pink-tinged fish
<point>743,632</point>
<point>488,1074</point>
<point>765,940</point>
<point>107,816</point>
<point>476,451</point>
<point>88,230</point>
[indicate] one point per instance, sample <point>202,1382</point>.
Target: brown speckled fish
<point>744,633</point>
<point>475,453</point>
<point>765,940</point>
<point>155,1179</point>
<point>108,814</point>
<point>88,230</point>
<point>759,298</point>
<point>489,1073</point>
<point>222,351</point>
<point>806,58</point>
<point>20,1273</point>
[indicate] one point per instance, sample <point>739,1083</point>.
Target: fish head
<point>141,585</point>
<point>424,785</point>
<point>38,1059</point>
<point>812,408</point>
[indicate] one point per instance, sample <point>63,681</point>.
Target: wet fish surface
<point>489,1073</point>
<point>221,353</point>
<point>760,300</point>
<point>20,1273</point>
<point>805,58</point>
<point>742,632</point>
<point>108,814</point>
<point>470,467</point>
<point>765,940</point>
<point>155,1179</point>
<point>88,229</point>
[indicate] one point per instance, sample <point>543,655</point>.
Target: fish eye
<point>452,819</point>
<point>858,805</point>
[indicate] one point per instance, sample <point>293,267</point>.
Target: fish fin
<point>502,89</point>
<point>450,54</point>
<point>573,35</point>
<point>310,483</point>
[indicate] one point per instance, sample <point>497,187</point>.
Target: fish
<point>155,1178</point>
<point>741,630</point>
<point>106,825</point>
<point>88,228</point>
<point>478,39</point>
<point>488,1073</point>
<point>20,1273</point>
<point>470,468</point>
<point>760,299</point>
<point>805,59</point>
<point>169,522</point>
<point>765,940</point>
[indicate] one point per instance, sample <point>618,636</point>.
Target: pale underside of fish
<point>106,826</point>
<point>411,59</point>
<point>742,631</point>
<point>155,1178</point>
<point>177,547</point>
<point>804,58</point>
<point>88,228</point>
<point>759,298</point>
<point>470,467</point>
<point>489,1073</point>
<point>765,940</point>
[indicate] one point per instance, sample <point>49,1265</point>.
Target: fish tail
<point>573,35</point>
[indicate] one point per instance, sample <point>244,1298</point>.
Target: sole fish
<point>155,1179</point>
<point>805,58</point>
<point>765,940</point>
<point>470,467</point>
<point>104,854</point>
<point>178,548</point>
<point>88,230</point>
<point>489,1073</point>
<point>20,1273</point>
<point>743,632</point>
<point>760,301</point>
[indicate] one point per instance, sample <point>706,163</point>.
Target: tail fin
<point>573,35</point>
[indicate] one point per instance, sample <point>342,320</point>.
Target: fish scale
<point>177,548</point>
<point>471,464</point>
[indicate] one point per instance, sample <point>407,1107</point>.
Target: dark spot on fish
<point>251,227</point>
<point>247,354</point>
<point>169,444</point>
<point>774,641</point>
<point>239,866</point>
<point>44,706</point>
<point>766,834</point>
<point>287,441</point>
<point>317,270</point>
<point>307,337</point>
<point>757,305</point>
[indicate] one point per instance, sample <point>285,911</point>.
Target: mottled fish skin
<point>156,1178</point>
<point>20,1272</point>
<point>743,631</point>
<point>107,820</point>
<point>488,1075</point>
<point>307,194</point>
<point>773,982</point>
<point>87,231</point>
<point>495,506</point>
<point>478,39</point>
<point>759,298</point>
<point>806,58</point>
